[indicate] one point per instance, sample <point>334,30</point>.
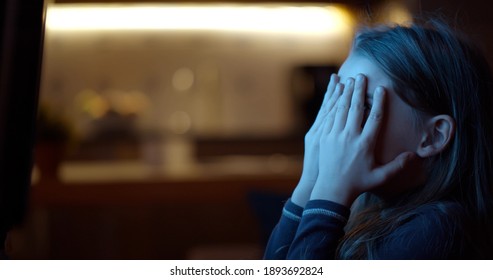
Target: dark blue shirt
<point>315,231</point>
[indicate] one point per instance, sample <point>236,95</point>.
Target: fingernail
<point>349,81</point>
<point>359,78</point>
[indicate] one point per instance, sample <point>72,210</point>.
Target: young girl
<point>404,138</point>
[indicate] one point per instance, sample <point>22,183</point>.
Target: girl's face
<point>398,133</point>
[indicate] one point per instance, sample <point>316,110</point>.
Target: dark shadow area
<point>21,35</point>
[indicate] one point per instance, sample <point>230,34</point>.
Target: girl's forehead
<point>357,64</point>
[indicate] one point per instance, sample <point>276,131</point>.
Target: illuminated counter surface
<point>241,167</point>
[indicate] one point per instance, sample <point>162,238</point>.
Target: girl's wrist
<point>336,193</point>
<point>302,192</point>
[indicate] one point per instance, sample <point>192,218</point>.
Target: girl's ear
<point>438,132</point>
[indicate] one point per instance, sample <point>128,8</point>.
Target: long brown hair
<point>435,70</point>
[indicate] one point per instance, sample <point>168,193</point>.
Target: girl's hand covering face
<point>312,143</point>
<point>346,162</point>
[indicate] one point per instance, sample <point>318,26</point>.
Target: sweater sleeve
<point>284,232</point>
<point>320,229</point>
<point>315,232</point>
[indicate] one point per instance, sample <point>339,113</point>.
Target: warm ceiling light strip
<point>288,19</point>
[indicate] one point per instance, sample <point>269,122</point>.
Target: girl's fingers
<point>329,120</point>
<point>374,122</point>
<point>343,106</point>
<point>334,80</point>
<point>389,170</point>
<point>329,94</point>
<point>357,108</point>
<point>334,97</point>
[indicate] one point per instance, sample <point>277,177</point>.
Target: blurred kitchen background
<point>174,130</point>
